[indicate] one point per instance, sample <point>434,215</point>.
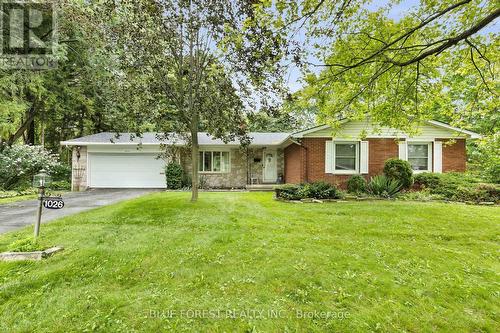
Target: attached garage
<point>126,170</point>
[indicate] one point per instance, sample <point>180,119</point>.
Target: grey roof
<point>258,139</point>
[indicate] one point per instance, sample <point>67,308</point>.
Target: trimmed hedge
<point>314,190</point>
<point>458,187</point>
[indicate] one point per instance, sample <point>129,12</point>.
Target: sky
<point>395,13</point>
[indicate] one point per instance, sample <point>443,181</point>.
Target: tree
<point>186,65</point>
<point>47,106</point>
<point>397,71</point>
<point>289,117</point>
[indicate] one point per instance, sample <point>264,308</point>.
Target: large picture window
<point>419,156</point>
<point>213,161</point>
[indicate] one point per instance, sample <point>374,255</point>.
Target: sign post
<point>41,194</point>
<point>40,180</point>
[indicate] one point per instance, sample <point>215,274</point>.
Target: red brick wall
<point>454,155</point>
<point>380,150</point>
<point>312,152</point>
<point>315,165</point>
<point>294,165</point>
<point>307,163</point>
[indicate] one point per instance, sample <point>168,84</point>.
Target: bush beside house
<point>398,180</point>
<point>457,187</point>
<point>315,190</point>
<point>19,163</point>
<point>400,171</point>
<point>384,186</point>
<point>175,175</point>
<point>356,184</point>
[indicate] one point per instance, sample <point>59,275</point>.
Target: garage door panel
<point>139,170</point>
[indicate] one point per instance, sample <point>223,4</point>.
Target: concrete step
<point>261,187</point>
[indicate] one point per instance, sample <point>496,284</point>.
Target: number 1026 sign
<point>53,203</point>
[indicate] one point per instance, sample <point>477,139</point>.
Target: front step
<point>261,187</point>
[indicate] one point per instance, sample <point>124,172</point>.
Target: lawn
<point>18,198</point>
<point>243,262</point>
<point>24,197</point>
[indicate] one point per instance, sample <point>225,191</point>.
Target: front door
<point>270,168</point>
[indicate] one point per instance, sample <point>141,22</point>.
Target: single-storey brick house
<point>357,147</point>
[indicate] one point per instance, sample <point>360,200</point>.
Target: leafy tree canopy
<point>435,61</point>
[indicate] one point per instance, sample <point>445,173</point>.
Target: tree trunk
<point>194,162</point>
<point>30,135</point>
<point>42,134</point>
<point>30,115</point>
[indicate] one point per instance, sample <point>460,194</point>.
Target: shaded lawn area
<point>18,198</point>
<point>149,263</point>
<point>25,197</point>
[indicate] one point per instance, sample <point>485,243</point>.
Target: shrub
<point>458,187</point>
<point>61,172</point>
<point>174,174</point>
<point>399,170</point>
<point>19,163</point>
<point>427,180</point>
<point>11,194</point>
<point>314,190</point>
<point>319,190</point>
<point>493,173</point>
<point>289,192</point>
<point>383,186</point>
<point>186,180</point>
<point>491,190</point>
<point>479,193</point>
<point>423,195</point>
<point>60,185</point>
<point>356,184</point>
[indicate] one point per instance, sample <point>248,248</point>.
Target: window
<point>419,156</point>
<point>214,161</point>
<point>345,157</point>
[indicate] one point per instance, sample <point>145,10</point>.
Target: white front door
<point>270,166</point>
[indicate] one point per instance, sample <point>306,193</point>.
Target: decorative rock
<point>317,201</point>
<point>487,203</point>
<point>35,255</point>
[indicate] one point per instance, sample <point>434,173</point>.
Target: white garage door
<point>126,170</point>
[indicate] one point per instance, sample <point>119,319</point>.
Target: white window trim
<point>429,154</point>
<point>356,161</point>
<point>213,151</point>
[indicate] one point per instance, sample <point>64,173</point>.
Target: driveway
<point>22,213</point>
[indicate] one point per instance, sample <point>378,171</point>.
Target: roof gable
<point>355,129</point>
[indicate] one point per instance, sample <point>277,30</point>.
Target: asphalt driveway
<point>22,213</point>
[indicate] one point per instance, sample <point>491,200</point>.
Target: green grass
<point>383,266</point>
<point>18,198</point>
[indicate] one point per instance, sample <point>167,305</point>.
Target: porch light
<point>42,179</point>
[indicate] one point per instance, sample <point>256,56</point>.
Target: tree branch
<point>450,41</point>
<point>404,36</point>
<point>479,71</point>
